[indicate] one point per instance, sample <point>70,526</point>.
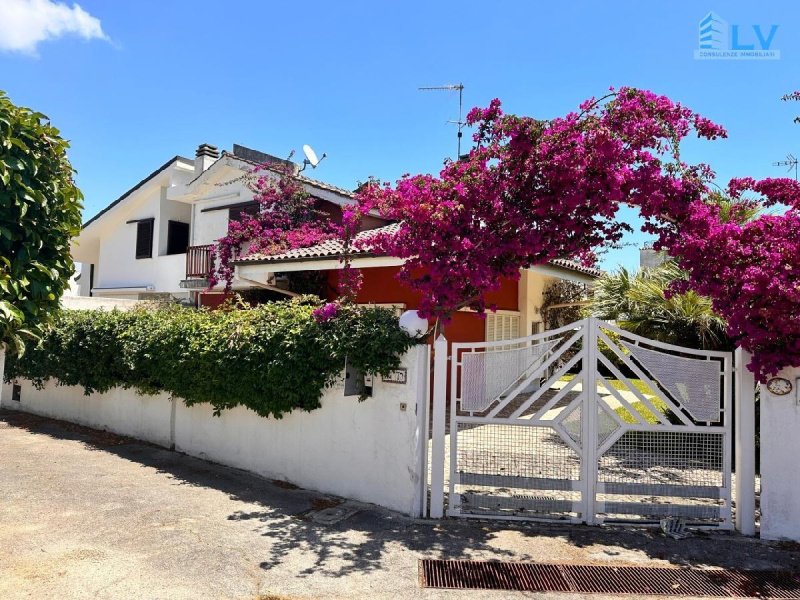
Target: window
<point>177,237</point>
<point>501,326</point>
<point>249,208</point>
<point>144,238</point>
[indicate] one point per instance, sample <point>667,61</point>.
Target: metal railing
<point>198,260</point>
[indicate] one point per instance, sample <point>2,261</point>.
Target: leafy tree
<point>40,211</point>
<point>641,303</point>
<point>562,303</point>
<point>534,190</point>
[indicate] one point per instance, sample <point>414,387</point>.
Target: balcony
<point>198,265</point>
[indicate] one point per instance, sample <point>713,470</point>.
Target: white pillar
<point>439,404</point>
<point>589,420</point>
<point>780,447</point>
<point>745,444</point>
<point>422,370</point>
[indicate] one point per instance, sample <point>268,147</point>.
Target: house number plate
<point>397,376</point>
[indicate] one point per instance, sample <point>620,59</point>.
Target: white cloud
<point>26,23</point>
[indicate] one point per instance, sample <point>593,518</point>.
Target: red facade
<point>380,286</point>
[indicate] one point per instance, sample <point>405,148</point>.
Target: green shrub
<point>272,358</point>
<point>40,211</point>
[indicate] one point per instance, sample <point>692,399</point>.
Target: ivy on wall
<point>272,358</point>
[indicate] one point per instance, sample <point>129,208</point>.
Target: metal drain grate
<point>534,577</point>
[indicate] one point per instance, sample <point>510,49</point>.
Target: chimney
<point>650,258</point>
<point>204,157</point>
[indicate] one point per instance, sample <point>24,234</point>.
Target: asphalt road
<point>86,514</point>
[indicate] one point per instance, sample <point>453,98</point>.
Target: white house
<point>154,240</point>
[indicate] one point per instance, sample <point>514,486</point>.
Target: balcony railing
<point>198,261</point>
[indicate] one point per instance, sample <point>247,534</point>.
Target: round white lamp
<point>413,324</point>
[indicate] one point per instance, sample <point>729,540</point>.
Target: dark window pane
<point>249,208</point>
<point>177,237</point>
<point>144,239</point>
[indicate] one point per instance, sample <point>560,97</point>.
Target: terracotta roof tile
<point>334,248</point>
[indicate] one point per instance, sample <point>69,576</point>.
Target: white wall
<point>95,303</point>
<point>780,449</point>
<point>121,411</point>
<point>369,451</point>
<point>118,265</point>
<point>169,210</point>
<point>209,226</point>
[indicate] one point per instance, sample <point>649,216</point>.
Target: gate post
<point>745,444</point>
<point>589,420</point>
<point>437,433</point>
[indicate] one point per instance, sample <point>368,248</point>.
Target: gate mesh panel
<point>486,375</point>
<point>670,473</point>
<point>606,425</point>
<point>572,424</point>
<point>695,383</point>
<point>515,469</point>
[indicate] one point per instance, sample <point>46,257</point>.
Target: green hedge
<point>272,358</point>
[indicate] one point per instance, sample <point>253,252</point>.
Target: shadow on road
<point>362,541</point>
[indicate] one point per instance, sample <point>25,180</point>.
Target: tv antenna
<point>791,162</point>
<point>311,158</point>
<point>460,123</point>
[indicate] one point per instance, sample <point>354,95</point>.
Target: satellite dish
<point>311,156</point>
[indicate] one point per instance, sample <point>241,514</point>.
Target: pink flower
<point>325,312</point>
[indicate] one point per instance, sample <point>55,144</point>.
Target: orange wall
<point>380,286</point>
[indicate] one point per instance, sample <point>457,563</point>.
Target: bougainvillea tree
<point>287,217</point>
<point>534,190</point>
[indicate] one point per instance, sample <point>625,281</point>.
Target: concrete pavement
<point>87,514</point>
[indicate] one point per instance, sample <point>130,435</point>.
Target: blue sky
<point>156,79</point>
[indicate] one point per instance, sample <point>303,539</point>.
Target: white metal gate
<point>588,423</point>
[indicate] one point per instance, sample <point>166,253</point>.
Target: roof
<point>240,153</point>
<point>248,157</point>
<point>334,249</point>
<point>327,249</point>
<point>574,265</point>
<point>163,167</point>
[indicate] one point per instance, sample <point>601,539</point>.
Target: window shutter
<point>491,325</point>
<point>501,327</point>
<point>144,239</point>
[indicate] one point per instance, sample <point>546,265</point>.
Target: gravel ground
<point>87,514</point>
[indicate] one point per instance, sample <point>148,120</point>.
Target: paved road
<point>85,514</point>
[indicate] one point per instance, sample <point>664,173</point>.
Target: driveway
<point>87,514</point>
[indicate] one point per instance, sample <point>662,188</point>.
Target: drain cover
<point>535,577</point>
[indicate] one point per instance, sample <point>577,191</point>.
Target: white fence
<point>538,430</point>
<point>368,451</point>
